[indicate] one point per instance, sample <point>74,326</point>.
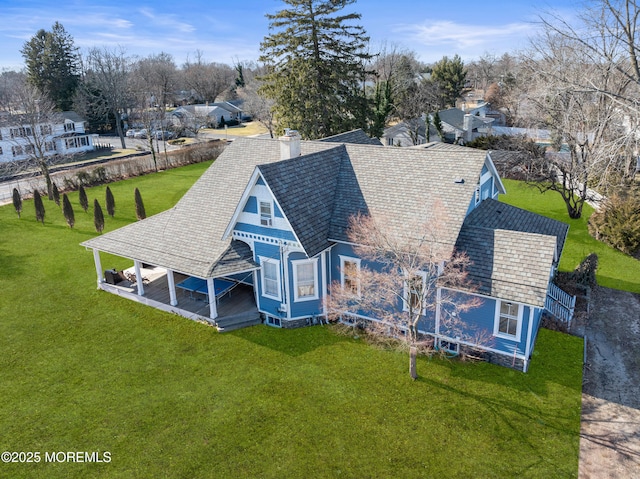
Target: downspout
<point>438,306</point>
<point>527,351</point>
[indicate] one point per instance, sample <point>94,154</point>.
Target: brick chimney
<point>289,144</point>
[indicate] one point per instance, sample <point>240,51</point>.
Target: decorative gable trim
<point>496,176</point>
<point>257,179</point>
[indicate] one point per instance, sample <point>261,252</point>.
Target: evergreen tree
<point>67,210</point>
<point>315,60</point>
<point>140,212</point>
<point>98,216</point>
<point>17,201</point>
<point>451,76</point>
<point>55,193</point>
<point>110,202</point>
<point>39,207</point>
<point>82,198</point>
<point>52,63</point>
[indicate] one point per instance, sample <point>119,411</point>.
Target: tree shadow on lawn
<point>292,342</point>
<point>11,264</point>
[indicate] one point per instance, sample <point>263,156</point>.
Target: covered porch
<point>233,308</point>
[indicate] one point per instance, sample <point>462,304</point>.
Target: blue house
<point>262,235</point>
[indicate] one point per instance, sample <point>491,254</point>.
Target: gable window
<point>270,275</point>
<point>414,292</point>
<point>266,216</point>
<point>0,150</point>
<point>508,322</point>
<point>69,126</point>
<point>349,269</point>
<point>305,279</point>
<point>16,150</point>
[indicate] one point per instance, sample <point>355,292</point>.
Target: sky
<point>230,31</point>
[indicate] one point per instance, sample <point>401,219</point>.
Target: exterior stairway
<point>237,321</point>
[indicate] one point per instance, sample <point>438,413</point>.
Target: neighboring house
<point>460,127</point>
<point>64,134</point>
<point>263,234</point>
<point>409,133</point>
<point>208,114</point>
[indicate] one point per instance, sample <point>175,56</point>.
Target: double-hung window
<point>266,216</point>
<point>414,292</point>
<point>508,323</point>
<point>349,277</point>
<point>305,279</point>
<point>270,278</point>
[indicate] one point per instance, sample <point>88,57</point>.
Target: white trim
<point>249,238</point>
<point>406,292</point>
<point>171,282</point>
<point>265,220</point>
<point>98,264</point>
<point>323,280</point>
<point>139,282</point>
<point>344,259</point>
<point>527,350</point>
<point>243,200</point>
<point>294,267</point>
<point>518,318</point>
<point>263,260</point>
<point>492,168</point>
<point>211,289</point>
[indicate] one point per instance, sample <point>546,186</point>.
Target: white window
<point>414,292</point>
<point>508,321</point>
<point>28,149</point>
<point>305,279</point>
<point>16,150</point>
<point>266,218</point>
<point>45,129</point>
<point>69,126</point>
<point>349,274</point>
<point>270,274</point>
<point>0,148</point>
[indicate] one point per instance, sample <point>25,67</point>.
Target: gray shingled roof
<point>188,237</point>
<point>318,192</point>
<point>510,265</point>
<point>305,188</point>
<point>237,258</point>
<point>511,251</point>
<point>354,137</point>
<point>494,214</point>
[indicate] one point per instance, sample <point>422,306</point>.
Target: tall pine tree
<point>82,198</point>
<point>315,59</point>
<point>52,62</point>
<point>17,201</point>
<point>140,212</point>
<point>98,216</point>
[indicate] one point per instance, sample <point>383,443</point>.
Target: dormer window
<point>266,215</point>
<point>69,126</point>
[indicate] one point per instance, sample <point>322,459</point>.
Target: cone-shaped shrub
<point>82,197</point>
<point>110,202</point>
<point>140,213</point>
<point>17,201</point>
<point>67,210</point>
<point>98,217</point>
<point>37,203</point>
<point>56,194</point>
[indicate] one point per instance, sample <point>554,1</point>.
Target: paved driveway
<point>610,430</point>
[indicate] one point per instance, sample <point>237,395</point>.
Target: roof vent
<point>459,181</point>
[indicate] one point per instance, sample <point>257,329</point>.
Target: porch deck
<point>235,309</point>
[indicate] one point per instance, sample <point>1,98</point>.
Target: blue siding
<point>304,308</point>
<point>260,181</point>
<point>267,250</point>
<point>484,170</point>
<point>277,212</point>
<point>486,190</point>
<point>265,231</point>
<point>251,205</point>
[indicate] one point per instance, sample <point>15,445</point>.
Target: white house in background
<point>62,134</point>
<point>460,127</point>
<point>208,114</point>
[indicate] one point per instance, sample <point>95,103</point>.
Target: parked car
<point>140,134</point>
<point>131,133</point>
<point>163,135</point>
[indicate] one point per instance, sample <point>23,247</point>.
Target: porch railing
<point>560,304</point>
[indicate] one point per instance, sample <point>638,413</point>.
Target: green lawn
<point>615,269</point>
<point>83,370</point>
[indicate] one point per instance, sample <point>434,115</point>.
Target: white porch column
<point>173,299</point>
<point>213,309</point>
<point>527,350</point>
<point>136,266</point>
<point>96,260</point>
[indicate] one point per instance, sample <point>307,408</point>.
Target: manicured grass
<point>615,269</point>
<point>245,129</point>
<point>83,370</point>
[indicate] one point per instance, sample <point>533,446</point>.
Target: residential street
<point>610,431</point>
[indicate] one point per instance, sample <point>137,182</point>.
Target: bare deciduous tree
<point>207,80</point>
<point>404,279</point>
<point>258,106</point>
